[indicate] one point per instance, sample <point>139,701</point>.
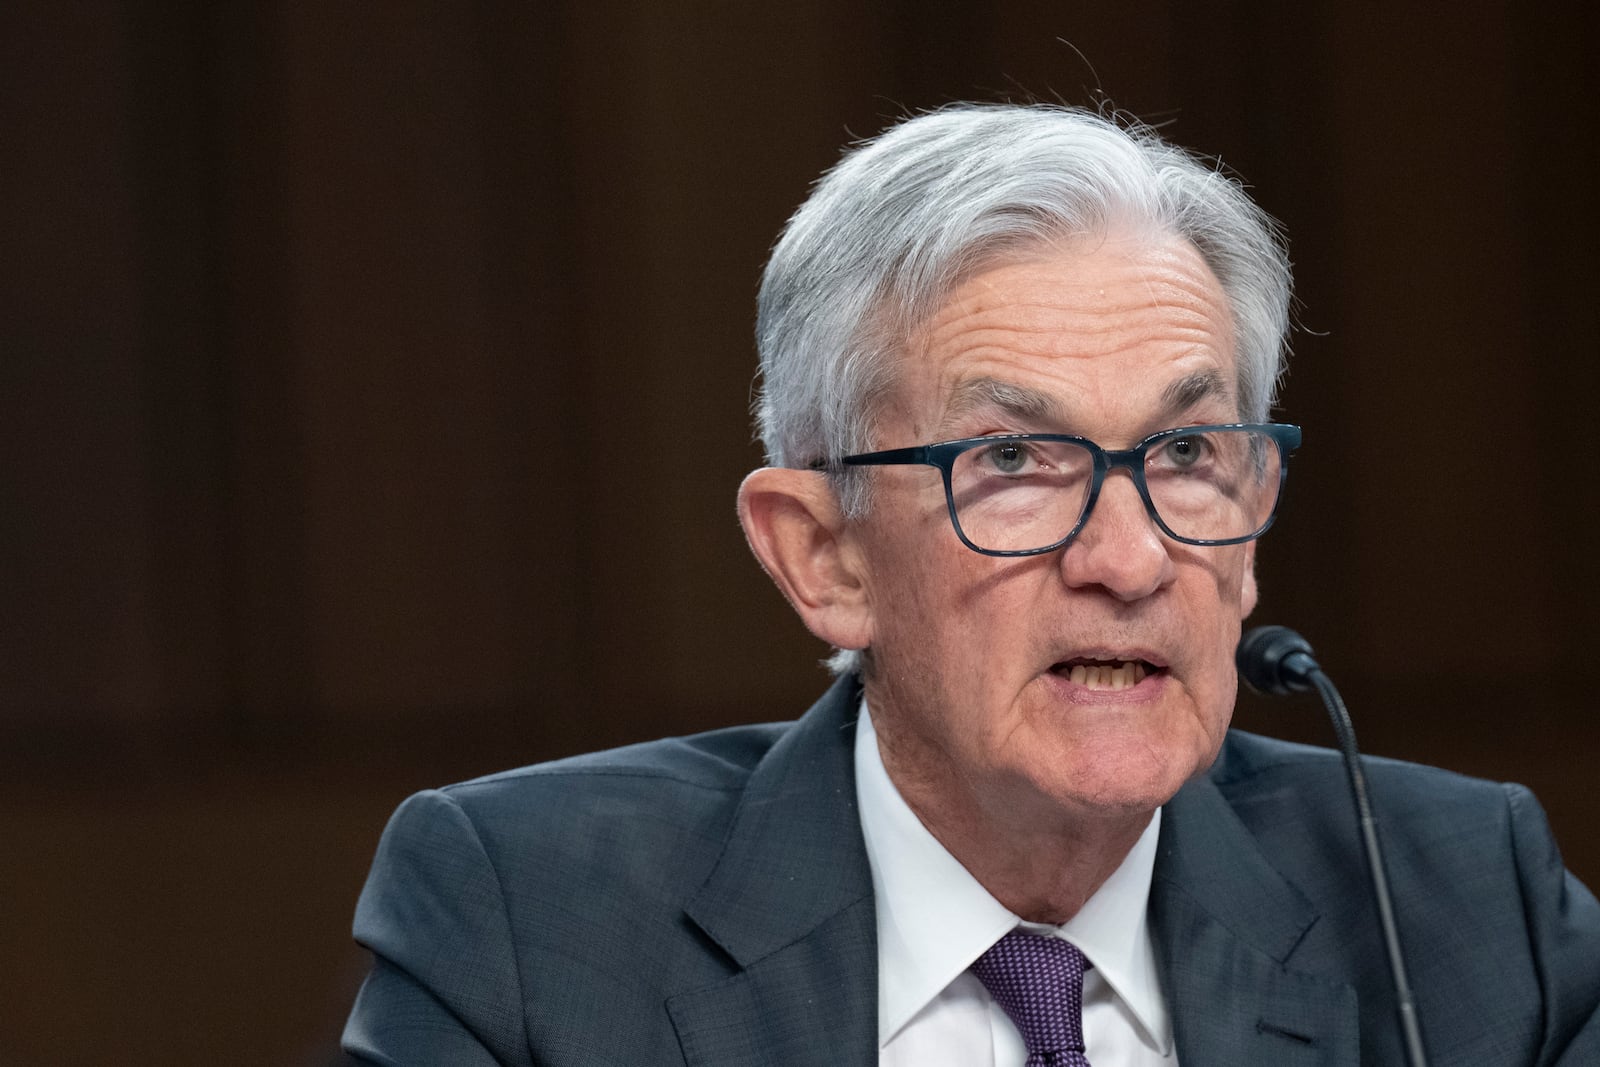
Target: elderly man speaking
<point>1017,364</point>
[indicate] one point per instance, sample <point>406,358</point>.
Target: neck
<point>1040,859</point>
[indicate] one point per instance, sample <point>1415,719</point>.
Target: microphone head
<point>1274,660</point>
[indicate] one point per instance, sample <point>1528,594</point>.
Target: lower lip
<point>1145,691</point>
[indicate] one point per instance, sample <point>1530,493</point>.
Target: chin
<point>1120,781</point>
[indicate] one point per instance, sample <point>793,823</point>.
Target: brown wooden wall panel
<point>374,390</point>
<point>1442,350</point>
<point>79,493</point>
<point>415,422</point>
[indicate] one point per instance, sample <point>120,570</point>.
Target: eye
<point>1008,457</point>
<point>1184,452</point>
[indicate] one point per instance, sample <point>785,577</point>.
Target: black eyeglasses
<point>1023,494</point>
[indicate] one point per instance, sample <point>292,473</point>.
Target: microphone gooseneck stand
<point>1275,660</point>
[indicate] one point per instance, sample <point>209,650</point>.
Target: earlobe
<point>792,521</point>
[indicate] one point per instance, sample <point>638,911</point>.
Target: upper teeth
<point>1097,676</point>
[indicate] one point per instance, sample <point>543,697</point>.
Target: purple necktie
<point>1039,982</point>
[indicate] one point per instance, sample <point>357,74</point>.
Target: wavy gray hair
<point>906,217</point>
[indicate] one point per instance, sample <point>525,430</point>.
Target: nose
<point>1119,547</point>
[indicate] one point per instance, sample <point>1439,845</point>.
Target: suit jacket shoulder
<point>1262,861</point>
<point>695,900</point>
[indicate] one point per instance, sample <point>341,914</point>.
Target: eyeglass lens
<point>1016,495</point>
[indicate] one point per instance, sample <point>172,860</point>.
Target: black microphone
<point>1274,660</point>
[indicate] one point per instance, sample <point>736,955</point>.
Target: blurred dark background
<point>375,378</point>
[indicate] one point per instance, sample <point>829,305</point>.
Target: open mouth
<point>1106,674</point>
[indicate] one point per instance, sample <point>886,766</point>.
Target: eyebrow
<point>1008,398</point>
<point>1034,405</point>
<point>1191,390</point>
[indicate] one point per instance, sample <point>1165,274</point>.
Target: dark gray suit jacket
<point>708,901</point>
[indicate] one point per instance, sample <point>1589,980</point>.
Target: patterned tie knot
<point>1039,982</point>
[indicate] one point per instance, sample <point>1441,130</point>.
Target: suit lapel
<point>790,901</point>
<point>1227,927</point>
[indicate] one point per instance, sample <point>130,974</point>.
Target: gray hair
<point>906,217</point>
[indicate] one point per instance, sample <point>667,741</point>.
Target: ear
<point>1247,588</point>
<point>792,520</point>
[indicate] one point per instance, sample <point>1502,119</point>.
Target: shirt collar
<point>934,919</point>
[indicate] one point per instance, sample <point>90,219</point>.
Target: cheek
<point>1220,591</point>
<point>1248,592</point>
<point>923,608</point>
<point>950,626</point>
<point>1220,586</point>
<point>902,594</point>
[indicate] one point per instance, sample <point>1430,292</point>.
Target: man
<point>1017,364</point>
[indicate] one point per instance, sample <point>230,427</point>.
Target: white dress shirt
<point>934,920</point>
